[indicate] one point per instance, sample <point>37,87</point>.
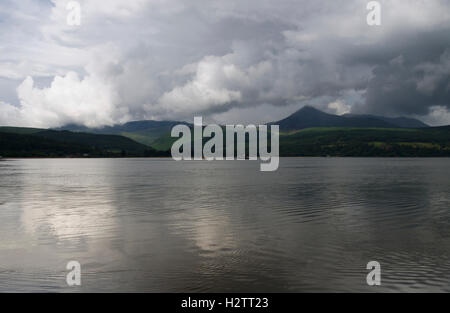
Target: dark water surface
<point>166,226</point>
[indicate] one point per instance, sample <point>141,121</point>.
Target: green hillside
<point>18,145</point>
<point>388,142</point>
<point>28,142</point>
<point>112,143</point>
<point>424,142</point>
<point>341,141</point>
<point>20,130</point>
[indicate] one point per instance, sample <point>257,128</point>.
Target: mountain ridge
<point>308,117</point>
<point>145,132</point>
<point>402,122</point>
<point>150,132</point>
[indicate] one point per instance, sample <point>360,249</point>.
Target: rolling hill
<point>144,132</point>
<point>27,142</point>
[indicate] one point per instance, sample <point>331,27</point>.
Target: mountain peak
<point>309,112</point>
<point>308,108</point>
<point>308,117</point>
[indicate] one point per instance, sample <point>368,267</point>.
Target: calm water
<point>163,226</point>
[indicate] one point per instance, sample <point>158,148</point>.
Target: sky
<point>230,61</point>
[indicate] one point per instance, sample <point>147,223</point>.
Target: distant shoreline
<point>284,157</point>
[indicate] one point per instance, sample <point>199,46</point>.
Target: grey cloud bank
<point>230,61</point>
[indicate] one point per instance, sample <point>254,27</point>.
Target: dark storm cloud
<point>411,74</point>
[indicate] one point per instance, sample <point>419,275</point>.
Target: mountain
<point>402,122</point>
<point>157,133</point>
<point>42,142</point>
<point>308,117</point>
<point>144,132</point>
